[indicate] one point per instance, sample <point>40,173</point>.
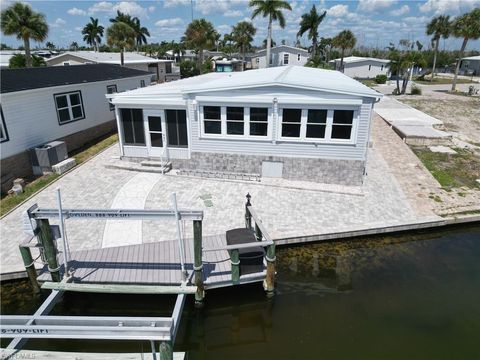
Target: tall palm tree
<point>178,49</point>
<point>122,36</point>
<point>271,9</point>
<point>141,32</point>
<point>439,27</point>
<point>122,17</point>
<point>344,40</point>
<point>92,33</point>
<point>310,22</point>
<point>74,46</point>
<point>243,34</point>
<point>49,45</point>
<point>467,27</point>
<point>19,19</point>
<point>200,35</point>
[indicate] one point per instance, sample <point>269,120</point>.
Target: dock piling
<point>45,238</point>
<point>235,261</point>
<point>30,267</point>
<point>166,350</point>
<point>248,216</point>
<point>198,263</point>
<point>269,283</point>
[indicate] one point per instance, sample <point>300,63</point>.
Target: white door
<point>155,127</point>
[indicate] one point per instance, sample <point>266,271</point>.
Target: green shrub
<point>416,90</point>
<point>381,79</point>
<point>188,68</point>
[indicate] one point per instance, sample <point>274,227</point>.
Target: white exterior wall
<point>468,66</point>
<point>366,69</point>
<point>278,57</point>
<point>31,116</point>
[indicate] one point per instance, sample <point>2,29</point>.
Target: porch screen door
<point>156,132</point>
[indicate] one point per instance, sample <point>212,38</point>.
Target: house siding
<point>366,69</point>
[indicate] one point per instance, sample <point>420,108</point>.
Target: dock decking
<point>155,263</point>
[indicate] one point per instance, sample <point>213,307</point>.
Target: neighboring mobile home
<point>42,104</point>
<point>362,67</point>
<point>470,65</point>
<point>163,70</point>
<point>282,55</point>
<point>293,122</point>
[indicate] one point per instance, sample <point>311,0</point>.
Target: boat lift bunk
<point>181,267</point>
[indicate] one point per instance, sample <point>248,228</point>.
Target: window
<point>291,122</point>
<point>259,121</point>
<point>299,57</point>
<point>316,123</point>
<point>369,67</point>
<point>177,128</point>
<point>111,89</point>
<point>342,124</point>
<point>142,83</point>
<point>66,63</point>
<point>235,121</point>
<point>132,125</point>
<point>3,127</point>
<point>285,59</point>
<point>257,60</point>
<point>212,119</point>
<point>69,107</point>
<point>381,68</point>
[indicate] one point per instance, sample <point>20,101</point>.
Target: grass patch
<point>452,170</point>
<point>442,81</point>
<point>369,82</point>
<point>81,155</point>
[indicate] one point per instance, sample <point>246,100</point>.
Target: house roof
<point>288,76</point>
<point>472,58</point>
<point>47,76</point>
<point>354,59</point>
<point>280,48</point>
<point>110,57</point>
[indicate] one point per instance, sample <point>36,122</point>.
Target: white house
<point>362,67</point>
<point>42,104</point>
<point>161,68</point>
<point>293,122</point>
<point>470,65</point>
<point>282,55</point>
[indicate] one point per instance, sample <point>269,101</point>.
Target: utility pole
<point>191,8</point>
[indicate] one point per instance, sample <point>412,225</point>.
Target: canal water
<point>396,297</point>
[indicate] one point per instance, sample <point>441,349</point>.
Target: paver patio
<point>287,211</point>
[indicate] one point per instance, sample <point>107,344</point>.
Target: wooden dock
<point>152,264</point>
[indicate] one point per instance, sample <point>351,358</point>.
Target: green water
<point>401,297</point>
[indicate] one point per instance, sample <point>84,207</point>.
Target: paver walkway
<point>286,212</point>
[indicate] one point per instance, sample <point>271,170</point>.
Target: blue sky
<point>374,22</point>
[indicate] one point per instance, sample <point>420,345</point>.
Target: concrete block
<point>64,166</point>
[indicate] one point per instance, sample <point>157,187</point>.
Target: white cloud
<point>58,23</point>
<point>151,9</point>
<point>449,7</point>
<point>338,10</point>
<point>233,13</point>
<point>77,12</point>
<point>222,29</point>
<point>400,11</point>
<point>78,28</point>
<point>374,5</point>
<point>127,7</point>
<point>169,22</point>
<point>174,3</point>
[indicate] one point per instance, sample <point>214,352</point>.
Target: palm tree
<point>467,27</point>
<point>141,32</point>
<point>49,45</point>
<point>74,46</point>
<point>178,49</point>
<point>19,19</point>
<point>243,34</point>
<point>271,9</point>
<point>200,35</point>
<point>310,22</point>
<point>344,40</point>
<point>122,36</point>
<point>439,27</point>
<point>92,33</point>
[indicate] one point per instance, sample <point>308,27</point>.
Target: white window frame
<point>236,121</point>
<point>328,130</point>
<point>69,106</point>
<point>3,126</point>
<point>286,56</point>
<point>113,86</point>
<point>246,119</point>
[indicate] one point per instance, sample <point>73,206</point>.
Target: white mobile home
<point>39,105</point>
<point>470,65</point>
<point>362,67</point>
<point>292,122</point>
<point>282,55</point>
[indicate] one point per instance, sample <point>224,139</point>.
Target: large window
<point>291,122</point>
<point>259,121</point>
<point>316,123</point>
<point>69,107</point>
<point>212,116</point>
<point>111,89</point>
<point>342,124</point>
<point>177,128</point>
<point>286,57</point>
<point>235,121</point>
<point>132,125</point>
<point>3,127</point>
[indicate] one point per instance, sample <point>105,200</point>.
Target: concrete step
<point>155,163</point>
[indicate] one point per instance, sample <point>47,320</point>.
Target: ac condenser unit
<point>45,156</point>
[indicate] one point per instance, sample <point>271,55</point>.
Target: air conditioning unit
<point>47,155</point>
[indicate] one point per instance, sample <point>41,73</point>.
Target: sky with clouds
<point>374,22</point>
